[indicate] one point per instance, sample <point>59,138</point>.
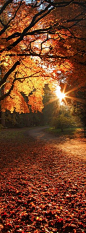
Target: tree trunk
<point>3,119</point>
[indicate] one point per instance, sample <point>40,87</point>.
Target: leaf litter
<point>42,189</point>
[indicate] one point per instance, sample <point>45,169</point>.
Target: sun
<point>59,94</point>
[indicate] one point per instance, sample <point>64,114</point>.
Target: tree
<point>64,118</point>
<point>80,107</point>
<point>39,39</point>
<point>48,104</point>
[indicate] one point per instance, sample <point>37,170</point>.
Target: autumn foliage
<point>37,40</point>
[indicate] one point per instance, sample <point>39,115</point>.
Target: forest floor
<point>75,146</point>
<point>42,186</point>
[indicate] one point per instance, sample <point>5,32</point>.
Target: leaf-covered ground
<point>42,189</point>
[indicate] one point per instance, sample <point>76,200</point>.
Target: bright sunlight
<point>60,95</point>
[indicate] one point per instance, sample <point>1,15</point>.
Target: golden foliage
<point>41,55</point>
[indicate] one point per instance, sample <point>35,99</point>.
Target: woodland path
<point>75,146</point>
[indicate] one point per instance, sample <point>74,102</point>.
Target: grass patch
<point>13,134</point>
<point>69,132</point>
<point>22,134</point>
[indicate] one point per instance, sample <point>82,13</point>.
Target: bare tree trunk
<point>2,114</point>
<point>3,119</point>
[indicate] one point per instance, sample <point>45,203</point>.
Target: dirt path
<point>75,147</point>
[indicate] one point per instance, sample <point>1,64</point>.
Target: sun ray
<point>51,100</point>
<point>75,88</point>
<point>75,98</point>
<point>63,96</point>
<point>65,85</point>
<point>66,103</point>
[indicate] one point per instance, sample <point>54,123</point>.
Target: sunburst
<point>64,95</point>
<point>60,95</point>
<point>71,97</point>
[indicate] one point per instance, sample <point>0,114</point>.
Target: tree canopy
<point>40,42</point>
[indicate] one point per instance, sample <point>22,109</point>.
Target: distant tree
<point>64,119</point>
<point>80,107</point>
<point>16,120</point>
<point>48,104</point>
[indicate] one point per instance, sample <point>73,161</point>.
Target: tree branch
<point>8,93</point>
<point>7,25</point>
<point>9,72</point>
<point>5,5</point>
<point>35,19</point>
<point>66,3</point>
